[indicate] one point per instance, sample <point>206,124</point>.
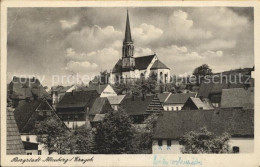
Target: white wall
<point>33,139</point>
<point>246,145</point>
<point>108,91</point>
<point>172,107</point>
<point>74,124</point>
<point>175,148</point>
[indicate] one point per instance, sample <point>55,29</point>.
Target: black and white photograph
<point>127,80</point>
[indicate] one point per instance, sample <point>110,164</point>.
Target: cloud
<point>143,52</point>
<point>78,67</point>
<point>218,44</point>
<point>146,33</point>
<point>67,24</point>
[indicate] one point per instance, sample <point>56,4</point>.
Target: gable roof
<point>158,65</point>
<point>140,106</point>
<point>27,114</point>
<point>205,105</point>
<point>100,106</point>
<point>141,63</point>
<point>179,98</point>
<point>236,122</point>
<point>237,98</point>
<point>115,100</point>
<point>78,99</point>
<point>14,143</point>
<point>163,96</point>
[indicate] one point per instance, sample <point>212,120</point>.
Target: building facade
<point>129,68</point>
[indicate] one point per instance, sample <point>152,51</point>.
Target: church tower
<point>128,61</point>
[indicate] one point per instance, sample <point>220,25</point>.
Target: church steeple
<point>128,47</point>
<point>128,37</point>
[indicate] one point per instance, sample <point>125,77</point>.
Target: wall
<point>73,125</point>
<point>108,91</point>
<point>33,139</point>
<point>168,107</point>
<point>175,148</point>
<point>32,152</point>
<point>246,145</point>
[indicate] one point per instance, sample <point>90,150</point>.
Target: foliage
<point>202,71</point>
<point>79,141</point>
<point>114,134</point>
<point>204,142</point>
<point>51,133</point>
<point>102,78</point>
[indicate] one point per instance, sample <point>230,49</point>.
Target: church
<point>129,68</point>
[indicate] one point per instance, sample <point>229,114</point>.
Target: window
<point>172,108</point>
<point>27,138</point>
<point>169,143</point>
<point>160,142</point>
<point>177,108</point>
<point>29,153</point>
<point>39,152</point>
<point>235,149</point>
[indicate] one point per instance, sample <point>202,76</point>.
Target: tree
<point>204,141</point>
<point>51,133</point>
<point>114,134</point>
<point>79,141</point>
<point>201,72</point>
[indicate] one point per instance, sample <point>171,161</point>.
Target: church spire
<point>128,37</point>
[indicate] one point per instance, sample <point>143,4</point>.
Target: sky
<point>67,41</point>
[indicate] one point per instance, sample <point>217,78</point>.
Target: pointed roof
<point>13,141</point>
<point>128,37</point>
<point>158,65</point>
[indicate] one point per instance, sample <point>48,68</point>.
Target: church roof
<point>158,65</point>
<point>128,37</point>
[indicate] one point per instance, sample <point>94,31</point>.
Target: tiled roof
<point>118,67</point>
<point>238,98</point>
<point>163,96</point>
<point>115,100</point>
<point>158,65</point>
<point>236,122</point>
<point>141,63</point>
<point>100,106</point>
<point>179,98</point>
<point>140,106</point>
<point>78,99</point>
<point>14,143</point>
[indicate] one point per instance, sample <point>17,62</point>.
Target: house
<point>129,68</point>
<point>171,126</point>
<point>238,98</point>
<point>27,115</point>
<point>176,101</point>
<point>163,96</point>
<point>20,89</point>
<point>115,101</point>
<point>100,106</point>
<point>14,144</point>
<point>74,106</point>
<point>194,103</point>
<point>139,108</point>
<point>57,92</point>
<point>103,90</point>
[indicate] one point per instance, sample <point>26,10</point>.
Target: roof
<point>115,100</point>
<point>22,88</point>
<point>27,114</point>
<point>100,106</point>
<point>163,96</point>
<point>78,99</point>
<point>128,37</point>
<point>135,105</point>
<point>236,122</point>
<point>98,88</point>
<point>237,98</point>
<point>158,65</point>
<point>205,105</point>
<point>14,143</point>
<point>141,63</point>
<point>179,98</point>
<point>98,118</point>
<point>60,89</point>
